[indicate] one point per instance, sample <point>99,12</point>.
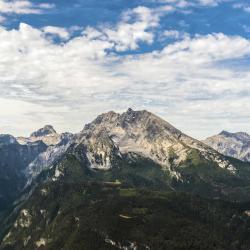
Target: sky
<point>65,62</point>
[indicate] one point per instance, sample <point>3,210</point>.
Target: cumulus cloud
<point>173,34</point>
<point>209,2</point>
<point>191,81</point>
<point>243,6</point>
<point>63,33</point>
<point>23,7</point>
<point>194,3</point>
<point>136,26</point>
<point>72,82</point>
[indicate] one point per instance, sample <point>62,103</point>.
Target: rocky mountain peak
<point>46,130</point>
<point>47,134</point>
<point>131,116</point>
<point>235,145</point>
<point>225,133</point>
<point>240,135</point>
<point>131,120</point>
<point>140,132</point>
<point>7,139</point>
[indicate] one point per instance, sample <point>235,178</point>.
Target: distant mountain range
<point>47,134</point>
<point>126,181</point>
<point>235,145</point>
<point>22,158</point>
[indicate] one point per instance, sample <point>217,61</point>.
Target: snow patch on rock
<point>41,242</point>
<point>24,220</point>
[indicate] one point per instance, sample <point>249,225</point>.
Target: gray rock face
<point>47,158</point>
<point>7,139</point>
<point>14,158</point>
<point>47,134</point>
<point>235,145</point>
<point>143,133</point>
<point>22,159</point>
<point>46,130</point>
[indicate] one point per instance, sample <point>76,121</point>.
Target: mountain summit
<point>47,134</point>
<point>46,130</point>
<point>7,139</point>
<point>146,134</point>
<point>235,145</point>
<point>166,156</point>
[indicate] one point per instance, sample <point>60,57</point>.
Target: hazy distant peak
<point>7,139</point>
<point>237,135</point>
<point>225,133</point>
<point>236,145</point>
<point>46,130</point>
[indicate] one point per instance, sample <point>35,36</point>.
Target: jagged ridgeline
<point>14,159</point>
<point>21,159</point>
<point>130,181</point>
<point>235,145</point>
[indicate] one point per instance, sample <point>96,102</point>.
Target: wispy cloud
<point>62,33</point>
<point>188,81</point>
<point>243,6</point>
<point>82,77</point>
<point>136,25</point>
<point>194,3</point>
<point>173,34</point>
<point>23,7</point>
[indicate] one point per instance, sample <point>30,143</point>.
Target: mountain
<point>22,160</point>
<point>14,158</point>
<point>112,139</point>
<point>57,144</point>
<point>47,158</point>
<point>47,134</point>
<point>7,140</point>
<point>235,145</point>
<point>133,181</point>
<point>45,131</point>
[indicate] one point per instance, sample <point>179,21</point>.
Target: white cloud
<point>246,28</point>
<point>23,7</point>
<point>188,82</point>
<point>2,19</point>
<point>209,2</point>
<point>174,34</point>
<point>187,79</point>
<point>57,31</point>
<point>194,3</point>
<point>46,5</point>
<point>20,114</point>
<point>135,27</point>
<point>243,6</point>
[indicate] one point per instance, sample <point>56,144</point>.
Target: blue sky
<point>223,17</point>
<point>201,19</point>
<point>64,62</point>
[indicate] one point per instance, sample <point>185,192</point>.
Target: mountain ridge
<point>112,139</point>
<point>235,145</point>
<point>126,157</point>
<point>22,159</point>
<point>138,130</point>
<point>47,134</point>
<point>46,130</point>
